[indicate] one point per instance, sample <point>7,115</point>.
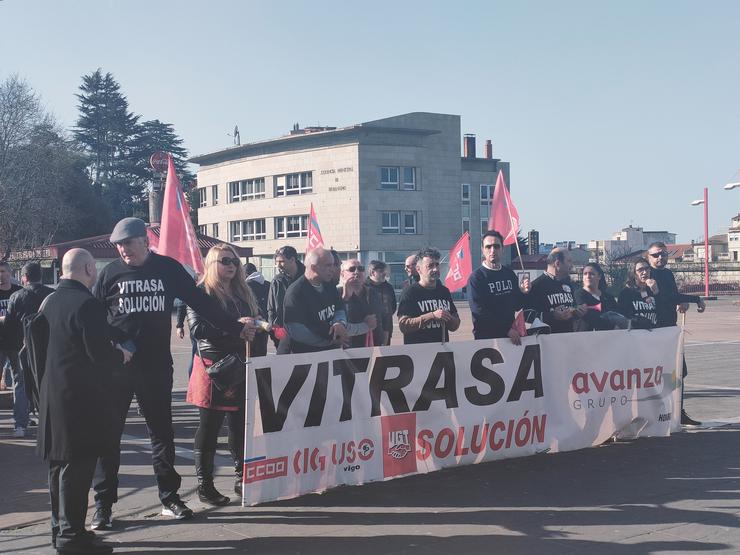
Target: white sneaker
<point>19,432</point>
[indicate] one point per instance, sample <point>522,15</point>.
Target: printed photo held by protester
<point>426,311</point>
<point>224,280</point>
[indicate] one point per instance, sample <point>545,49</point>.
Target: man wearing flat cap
<point>139,290</point>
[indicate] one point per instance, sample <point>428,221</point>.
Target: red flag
<point>519,324</point>
<point>177,235</point>
<point>503,216</point>
<point>314,232</point>
<point>461,264</point>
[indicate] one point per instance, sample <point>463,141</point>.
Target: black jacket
<point>278,287</point>
<point>669,297</point>
<point>76,418</point>
<point>383,295</point>
<point>213,343</point>
<point>23,303</point>
<point>592,319</point>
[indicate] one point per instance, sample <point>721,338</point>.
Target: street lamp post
<point>705,202</point>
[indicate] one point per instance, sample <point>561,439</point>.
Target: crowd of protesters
<point>87,349</point>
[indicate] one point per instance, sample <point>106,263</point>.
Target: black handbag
<point>227,372</point>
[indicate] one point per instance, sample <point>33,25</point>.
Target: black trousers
<point>153,389</point>
<point>206,436</point>
<point>69,484</point>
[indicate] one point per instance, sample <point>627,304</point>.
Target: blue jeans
<point>20,399</point>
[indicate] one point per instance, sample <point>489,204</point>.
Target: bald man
<point>76,425</point>
<point>551,294</point>
<point>314,314</point>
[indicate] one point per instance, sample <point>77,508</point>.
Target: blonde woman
<point>224,280</point>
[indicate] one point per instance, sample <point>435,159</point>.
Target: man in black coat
<point>670,300</point>
<point>75,423</point>
<point>22,303</point>
<point>289,269</point>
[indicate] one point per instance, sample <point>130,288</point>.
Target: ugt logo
<point>398,443</point>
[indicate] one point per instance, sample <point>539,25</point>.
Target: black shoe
<point>85,544</point>
<point>177,509</point>
<point>102,519</point>
<point>238,486</point>
<point>686,420</point>
<point>208,493</point>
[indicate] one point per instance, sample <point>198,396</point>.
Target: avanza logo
<point>399,439</point>
<point>265,469</point>
<point>398,442</point>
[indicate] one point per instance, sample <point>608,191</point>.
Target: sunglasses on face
<point>642,269</point>
<point>354,269</point>
<point>227,260</point>
<point>658,254</point>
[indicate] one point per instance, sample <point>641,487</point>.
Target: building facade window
<point>409,179</point>
<point>466,225</point>
<point>201,229</point>
<point>486,193</point>
<point>397,222</point>
<point>465,193</point>
<point>214,195</point>
<point>293,184</point>
<point>394,178</point>
<point>247,230</point>
<point>247,189</point>
<point>291,226</point>
<point>214,230</point>
<point>201,198</point>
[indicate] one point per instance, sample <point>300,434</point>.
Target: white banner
<point>347,417</point>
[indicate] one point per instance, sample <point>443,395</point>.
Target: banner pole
<point>247,362</point>
<point>444,330</point>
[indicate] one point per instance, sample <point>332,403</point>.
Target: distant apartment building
<point>381,189</point>
<point>533,242</point>
<point>733,240</point>
<point>625,241</point>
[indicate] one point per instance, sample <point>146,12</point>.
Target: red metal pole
<point>706,242</point>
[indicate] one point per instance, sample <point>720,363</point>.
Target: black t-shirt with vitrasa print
<point>548,294</point>
<point>417,300</point>
<point>639,303</point>
<point>139,301</point>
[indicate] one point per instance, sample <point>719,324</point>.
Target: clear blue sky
<point>610,113</point>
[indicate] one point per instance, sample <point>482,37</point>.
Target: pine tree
<point>106,131</point>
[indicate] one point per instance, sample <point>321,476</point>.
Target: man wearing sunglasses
<point>671,300</point>
<point>494,293</point>
<point>139,291</point>
<point>363,316</point>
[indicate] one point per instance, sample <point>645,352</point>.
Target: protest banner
<point>348,417</point>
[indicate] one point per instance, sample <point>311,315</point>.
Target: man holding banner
<point>494,293</point>
<point>426,312</point>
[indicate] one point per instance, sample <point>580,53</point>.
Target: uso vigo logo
<point>265,469</point>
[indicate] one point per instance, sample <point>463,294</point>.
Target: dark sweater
<point>592,319</point>
<point>494,296</point>
<point>547,294</point>
<point>669,297</point>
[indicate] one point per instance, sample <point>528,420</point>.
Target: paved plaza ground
<point>662,495</point>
